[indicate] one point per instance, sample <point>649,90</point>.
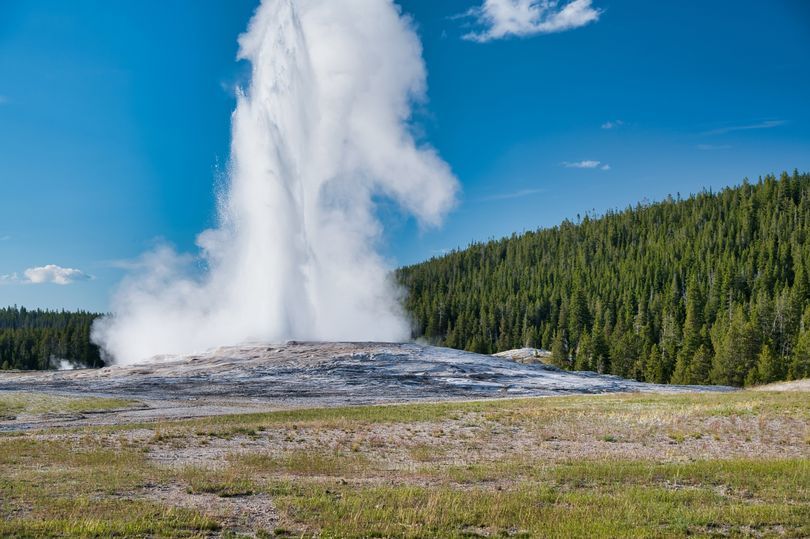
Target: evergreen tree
<point>559,350</point>
<point>701,365</point>
<point>736,350</point>
<point>654,371</point>
<point>800,364</point>
<point>767,369</point>
<point>584,358</point>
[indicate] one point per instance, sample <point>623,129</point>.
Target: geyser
<point>320,132</point>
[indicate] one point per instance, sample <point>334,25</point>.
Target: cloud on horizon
<point>766,124</point>
<point>514,194</point>
<point>612,124</point>
<point>498,19</point>
<point>9,278</point>
<point>50,273</point>
<point>588,163</point>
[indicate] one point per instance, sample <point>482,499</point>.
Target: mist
<point>320,132</point>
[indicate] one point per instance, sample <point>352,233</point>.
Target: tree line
<point>708,289</point>
<point>40,339</point>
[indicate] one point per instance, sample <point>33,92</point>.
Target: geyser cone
<point>321,129</point>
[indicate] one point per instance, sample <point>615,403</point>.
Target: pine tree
<point>701,366</point>
<point>654,371</point>
<point>559,350</point>
<point>583,360</point>
<point>600,360</point>
<point>692,326</point>
<point>767,368</point>
<point>736,351</point>
<point>800,364</point>
<point>681,373</point>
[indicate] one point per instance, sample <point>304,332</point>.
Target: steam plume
<point>321,130</point>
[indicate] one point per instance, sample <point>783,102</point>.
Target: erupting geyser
<point>322,128</point>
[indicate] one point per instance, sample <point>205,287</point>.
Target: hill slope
<point>711,289</point>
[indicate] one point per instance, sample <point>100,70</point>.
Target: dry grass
<point>615,465</point>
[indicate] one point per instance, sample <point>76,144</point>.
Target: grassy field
<point>717,465</point>
<point>25,402</point>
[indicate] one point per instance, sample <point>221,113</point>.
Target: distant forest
<point>710,289</point>
<point>40,339</point>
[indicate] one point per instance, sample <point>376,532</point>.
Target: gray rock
<point>326,374</point>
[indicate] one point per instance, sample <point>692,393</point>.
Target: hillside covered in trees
<point>710,289</point>
<point>35,339</point>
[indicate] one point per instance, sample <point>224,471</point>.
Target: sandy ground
<point>796,385</point>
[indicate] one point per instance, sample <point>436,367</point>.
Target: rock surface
<point>526,355</point>
<point>326,374</point>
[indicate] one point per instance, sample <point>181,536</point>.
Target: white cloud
<point>514,194</point>
<point>588,163</point>
<point>766,124</point>
<point>612,124</point>
<point>52,273</point>
<point>5,238</point>
<point>498,19</point>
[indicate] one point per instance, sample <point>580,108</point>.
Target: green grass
<point>629,499</point>
<point>81,489</point>
<point>14,403</point>
<point>637,407</point>
<point>224,483</point>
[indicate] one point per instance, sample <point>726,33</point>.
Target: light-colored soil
<point>240,514</point>
<point>796,385</point>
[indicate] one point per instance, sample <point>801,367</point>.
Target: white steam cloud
<point>322,129</point>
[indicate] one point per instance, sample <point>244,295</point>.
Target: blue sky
<point>114,121</point>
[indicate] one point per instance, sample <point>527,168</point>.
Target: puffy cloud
<point>52,273</point>
<point>498,19</point>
